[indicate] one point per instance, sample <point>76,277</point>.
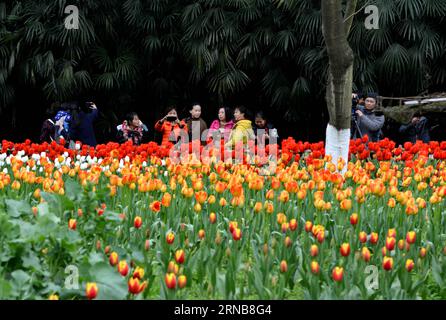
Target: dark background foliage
<point>144,55</point>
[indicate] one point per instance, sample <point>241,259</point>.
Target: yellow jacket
<point>242,131</point>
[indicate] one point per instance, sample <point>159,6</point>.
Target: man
<point>417,129</point>
<point>369,122</point>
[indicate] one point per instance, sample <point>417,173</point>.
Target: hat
<point>372,95</point>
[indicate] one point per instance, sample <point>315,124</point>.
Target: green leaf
<point>17,208</point>
<point>111,285</point>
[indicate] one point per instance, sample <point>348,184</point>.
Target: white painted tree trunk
<point>337,144</point>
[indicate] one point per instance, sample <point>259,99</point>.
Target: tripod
<point>355,128</point>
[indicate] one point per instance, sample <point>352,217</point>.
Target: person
<point>170,123</point>
<point>242,130</point>
<point>417,129</point>
<point>132,129</point>
<point>63,120</point>
<point>195,124</point>
<point>48,129</point>
<point>263,129</point>
<point>223,124</point>
<point>82,126</point>
<point>369,122</point>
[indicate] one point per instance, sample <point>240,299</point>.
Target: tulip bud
<point>265,249</point>
<point>314,250</point>
<point>338,274</point>
<point>182,281</point>
<point>53,297</point>
<point>365,253</point>
<point>179,256</point>
<point>409,265</point>
<point>362,237</point>
<point>237,234</point>
<point>401,244</point>
<point>374,238</point>
<point>107,249</point>
<point>293,224</point>
<point>321,236</point>
<point>411,237</point>
<point>308,226</point>
<point>201,234</point>
<point>72,224</point>
<point>35,210</point>
<point>314,267</point>
<point>170,238</point>
<point>113,259</point>
<point>91,290</point>
<point>423,252</point>
<point>387,263</point>
<point>288,242</point>
<point>138,273</point>
<point>137,223</point>
<point>390,243</point>
<point>228,252</point>
<point>391,233</point>
<point>283,266</point>
<point>123,268</point>
<point>384,251</point>
<point>354,219</point>
<point>212,217</point>
<point>147,245</point>
<point>345,249</point>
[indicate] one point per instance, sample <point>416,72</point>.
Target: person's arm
<point>159,125</point>
<point>403,128</point>
<point>372,124</point>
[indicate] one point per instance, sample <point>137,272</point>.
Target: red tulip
<point>135,287</point>
<point>387,263</point>
<point>171,280</point>
<point>72,224</point>
<point>123,268</point>
<point>374,238</point>
<point>362,237</point>
<point>338,274</point>
<point>137,223</point>
<point>170,238</point>
<point>179,256</point>
<point>314,267</point>
<point>390,243</point>
<point>354,219</point>
<point>237,234</point>
<point>113,259</point>
<point>411,237</point>
<point>314,250</point>
<point>409,265</point>
<point>91,290</point>
<point>182,281</point>
<point>345,249</point>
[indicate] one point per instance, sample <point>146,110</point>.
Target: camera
<point>171,118</point>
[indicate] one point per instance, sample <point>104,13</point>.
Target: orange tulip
<point>362,237</point>
<point>138,273</point>
<point>212,217</point>
<point>155,206</point>
<point>293,224</point>
<point>365,253</point>
<point>201,234</point>
<point>314,250</point>
<point>72,224</point>
<point>314,267</point>
<point>237,234</point>
<point>283,266</point>
<point>182,281</point>
<point>374,238</point>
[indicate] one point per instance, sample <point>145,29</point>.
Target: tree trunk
<point>340,76</point>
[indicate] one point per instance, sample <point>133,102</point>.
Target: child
<point>132,129</point>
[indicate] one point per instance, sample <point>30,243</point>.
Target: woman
<point>195,122</point>
<point>82,128</point>
<point>242,130</point>
<point>223,124</point>
<point>131,129</point>
<point>263,129</point>
<point>170,124</point>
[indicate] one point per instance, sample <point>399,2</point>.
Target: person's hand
<point>93,106</point>
<point>359,113</point>
<point>266,136</point>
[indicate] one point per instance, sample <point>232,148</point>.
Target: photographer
<point>170,123</point>
<point>417,129</point>
<point>82,126</point>
<point>368,122</point>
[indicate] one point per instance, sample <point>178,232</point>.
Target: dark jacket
<point>84,131</point>
<point>370,124</point>
<point>413,132</point>
<point>190,125</point>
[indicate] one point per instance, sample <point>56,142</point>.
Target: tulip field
<point>126,222</point>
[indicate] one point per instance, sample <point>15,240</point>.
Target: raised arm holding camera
<point>368,121</point>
